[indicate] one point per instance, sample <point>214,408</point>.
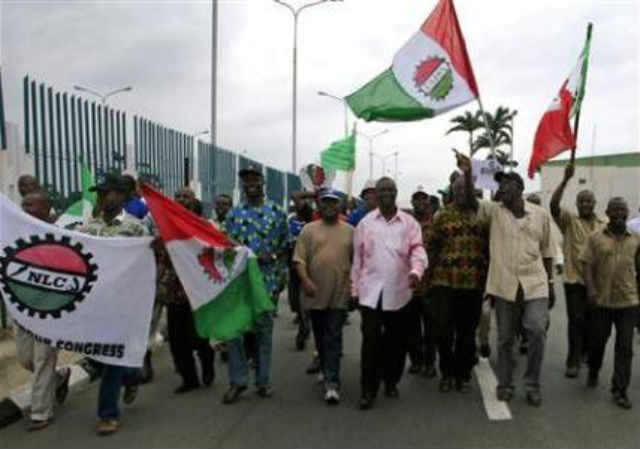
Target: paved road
<point>571,415</point>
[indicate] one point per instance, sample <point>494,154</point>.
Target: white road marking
<point>496,410</point>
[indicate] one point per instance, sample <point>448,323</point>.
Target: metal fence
<point>65,131</point>
<point>216,172</point>
<point>163,156</point>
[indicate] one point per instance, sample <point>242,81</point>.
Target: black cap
<point>250,170</point>
<point>513,176</point>
<point>110,182</point>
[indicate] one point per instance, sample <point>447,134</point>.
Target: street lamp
<point>370,139</point>
<point>201,133</point>
<point>102,97</point>
<point>346,110</point>
<point>384,163</point>
<point>296,12</point>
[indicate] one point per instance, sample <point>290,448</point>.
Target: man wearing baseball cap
<point>520,272</point>
<point>368,194</point>
<point>109,221</point>
<point>262,226</point>
<point>323,261</point>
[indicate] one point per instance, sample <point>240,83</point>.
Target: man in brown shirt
<point>323,261</point>
<point>575,230</point>
<point>611,263</point>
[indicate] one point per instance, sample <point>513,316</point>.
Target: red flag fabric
<point>554,134</point>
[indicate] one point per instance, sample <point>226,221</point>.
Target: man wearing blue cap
<point>323,261</point>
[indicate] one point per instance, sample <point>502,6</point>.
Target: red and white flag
<point>554,134</point>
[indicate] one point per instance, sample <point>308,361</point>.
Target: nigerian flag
<point>80,211</point>
<point>223,282</point>
<point>341,155</point>
<point>431,74</point>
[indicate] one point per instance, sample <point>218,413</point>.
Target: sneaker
<point>62,390</point>
<point>233,394</point>
<point>130,394</point>
<point>331,396</point>
<point>107,426</point>
<point>320,378</point>
<point>38,424</point>
<point>265,391</point>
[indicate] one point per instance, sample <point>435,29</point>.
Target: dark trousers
<point>384,347</point>
<point>601,321</point>
<point>327,331</point>
<point>578,322</point>
<point>183,340</point>
<point>304,324</point>
<point>456,314</point>
<point>422,347</point>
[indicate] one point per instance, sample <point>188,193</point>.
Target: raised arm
<point>569,170</point>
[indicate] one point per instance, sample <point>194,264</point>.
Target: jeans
<point>624,320</point>
<point>384,347</point>
<point>578,325</point>
<point>238,366</point>
<point>113,378</point>
<point>456,313</point>
<point>327,331</point>
<point>535,316</point>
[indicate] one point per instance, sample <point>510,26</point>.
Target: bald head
<point>386,193</point>
<point>27,184</point>
<point>618,212</point>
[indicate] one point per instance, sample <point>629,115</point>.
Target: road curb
<point>18,402</point>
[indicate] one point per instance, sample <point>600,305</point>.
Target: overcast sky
<point>521,52</point>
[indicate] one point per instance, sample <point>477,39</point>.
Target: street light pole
<point>370,139</point>
<point>103,98</point>
<point>346,110</point>
<point>296,12</point>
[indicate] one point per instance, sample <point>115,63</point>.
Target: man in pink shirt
<point>388,261</point>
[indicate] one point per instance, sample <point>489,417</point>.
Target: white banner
<point>483,172</point>
<point>92,295</point>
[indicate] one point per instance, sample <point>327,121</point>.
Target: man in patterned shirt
<point>458,249</point>
<point>111,222</point>
<point>262,226</point>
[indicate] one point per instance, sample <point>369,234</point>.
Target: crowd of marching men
<point>425,282</point>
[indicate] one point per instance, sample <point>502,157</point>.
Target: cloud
<point>521,52</point>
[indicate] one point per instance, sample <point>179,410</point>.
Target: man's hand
<point>464,163</point>
<point>413,280</point>
<point>309,288</point>
<point>552,297</point>
<point>266,259</point>
<point>569,170</point>
<point>353,303</point>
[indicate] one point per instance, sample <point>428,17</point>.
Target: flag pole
<point>576,123</point>
<point>349,180</point>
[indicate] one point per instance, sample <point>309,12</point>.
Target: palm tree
<point>468,123</point>
<point>501,130</point>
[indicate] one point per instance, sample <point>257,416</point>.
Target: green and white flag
<point>341,154</point>
<point>223,282</point>
<point>80,211</point>
<point>431,74</point>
